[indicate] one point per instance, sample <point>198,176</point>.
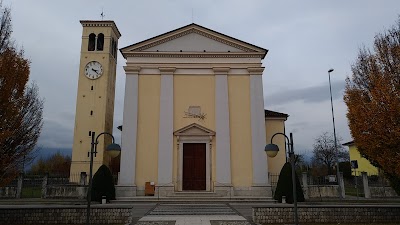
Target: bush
<point>285,186</point>
<point>394,182</point>
<point>103,185</point>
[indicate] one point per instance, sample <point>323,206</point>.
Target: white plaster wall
<point>193,43</point>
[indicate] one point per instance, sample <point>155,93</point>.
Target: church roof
<point>243,48</point>
<point>348,143</point>
<point>269,114</point>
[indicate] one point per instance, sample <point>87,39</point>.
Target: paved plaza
<point>180,214</point>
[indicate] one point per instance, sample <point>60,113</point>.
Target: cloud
<point>57,133</point>
<point>313,94</point>
<point>309,35</point>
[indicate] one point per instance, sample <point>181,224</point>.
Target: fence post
<point>305,184</point>
<point>341,185</point>
<point>82,186</point>
<point>44,185</point>
<point>19,185</point>
<point>83,178</point>
<point>367,192</point>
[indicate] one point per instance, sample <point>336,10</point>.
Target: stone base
<point>125,191</point>
<point>256,191</point>
<point>224,190</point>
<point>164,190</point>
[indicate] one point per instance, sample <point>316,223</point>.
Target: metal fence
<point>322,180</point>
<point>273,179</point>
<point>353,186</point>
<point>378,181</point>
<point>31,186</point>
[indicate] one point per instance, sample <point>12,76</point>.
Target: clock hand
<point>95,71</point>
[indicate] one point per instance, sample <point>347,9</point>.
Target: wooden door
<point>194,166</point>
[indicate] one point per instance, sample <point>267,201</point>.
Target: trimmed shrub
<point>394,182</point>
<point>103,185</point>
<point>285,186</point>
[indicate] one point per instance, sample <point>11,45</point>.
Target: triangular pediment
<point>193,38</point>
<point>194,129</point>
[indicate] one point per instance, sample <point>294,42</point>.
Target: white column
<point>129,129</point>
<point>223,143</point>
<point>260,167</point>
<point>166,127</point>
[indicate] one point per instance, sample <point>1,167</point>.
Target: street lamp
<point>334,136</point>
<point>272,150</point>
<point>112,149</point>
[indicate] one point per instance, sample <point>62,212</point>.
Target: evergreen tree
<point>285,186</point>
<point>103,184</point>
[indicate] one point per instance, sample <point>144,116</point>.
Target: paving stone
<point>193,209</point>
<point>155,223</point>
<point>229,222</point>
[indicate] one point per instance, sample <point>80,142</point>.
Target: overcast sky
<point>304,38</point>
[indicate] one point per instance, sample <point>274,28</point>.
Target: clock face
<point>93,70</point>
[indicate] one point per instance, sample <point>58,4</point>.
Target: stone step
<point>193,209</point>
<point>188,199</point>
<point>194,194</point>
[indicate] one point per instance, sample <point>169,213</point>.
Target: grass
<point>31,192</point>
<point>334,224</point>
<point>353,191</point>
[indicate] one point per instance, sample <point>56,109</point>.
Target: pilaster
<point>223,148</point>
<point>129,131</point>
<point>166,126</point>
<point>260,166</point>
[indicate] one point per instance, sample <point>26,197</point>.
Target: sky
<point>304,38</point>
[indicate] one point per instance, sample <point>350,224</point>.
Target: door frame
<point>201,140</point>
<point>194,133</point>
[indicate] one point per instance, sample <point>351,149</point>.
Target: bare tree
<point>21,109</point>
<point>5,28</point>
<point>324,152</point>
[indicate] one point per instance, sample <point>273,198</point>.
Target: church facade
<point>194,117</point>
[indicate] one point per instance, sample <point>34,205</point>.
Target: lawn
<point>31,192</point>
<point>334,224</point>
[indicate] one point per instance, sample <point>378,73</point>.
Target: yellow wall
<point>240,130</point>
<point>148,125</point>
<point>363,164</point>
<point>273,126</point>
<point>193,90</point>
<point>100,100</point>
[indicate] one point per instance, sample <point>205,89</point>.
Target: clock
<point>93,70</point>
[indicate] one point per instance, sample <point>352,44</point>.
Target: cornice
<point>184,131</point>
<point>101,23</point>
<point>221,70</point>
<point>189,31</point>
<point>193,55</point>
<point>256,70</point>
<point>132,69</point>
<point>167,70</point>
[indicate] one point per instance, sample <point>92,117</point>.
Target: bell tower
<point>96,93</point>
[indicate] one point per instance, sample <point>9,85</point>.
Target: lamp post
<point>113,150</point>
<point>272,151</point>
<point>334,137</point>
